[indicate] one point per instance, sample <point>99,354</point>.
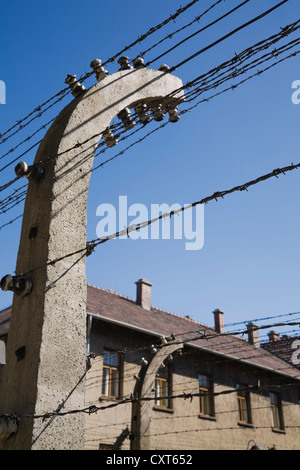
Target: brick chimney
<point>253,334</point>
<point>273,336</point>
<point>143,293</point>
<point>219,320</point>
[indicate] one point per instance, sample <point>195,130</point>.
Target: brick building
<point>205,389</point>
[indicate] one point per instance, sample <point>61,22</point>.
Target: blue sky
<point>249,264</point>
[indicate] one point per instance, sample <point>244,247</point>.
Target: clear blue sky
<point>249,264</point>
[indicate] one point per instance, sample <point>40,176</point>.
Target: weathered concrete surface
<point>51,321</point>
<point>141,410</point>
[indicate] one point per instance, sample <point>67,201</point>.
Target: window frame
<point>111,369</point>
<point>276,411</point>
<point>206,395</point>
<point>243,398</point>
<point>167,381</point>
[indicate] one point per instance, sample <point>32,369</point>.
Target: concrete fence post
<point>46,350</point>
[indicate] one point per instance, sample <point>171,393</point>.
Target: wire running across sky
<point>37,112</point>
<point>202,84</point>
<point>65,92</point>
<point>90,246</point>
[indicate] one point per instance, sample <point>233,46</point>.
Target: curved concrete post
<point>141,410</point>
<point>46,352</point>
<point>2,352</point>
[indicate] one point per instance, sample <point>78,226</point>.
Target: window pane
<point>105,382</point>
<point>243,396</point>
<point>205,405</point>
<point>203,381</point>
<point>110,359</point>
<point>161,390</point>
<point>275,417</point>
<point>164,393</point>
<point>243,410</point>
<point>205,394</point>
<point>163,372</point>
<point>114,383</point>
<point>275,411</point>
<point>274,399</point>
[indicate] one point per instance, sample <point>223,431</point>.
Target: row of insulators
<point>77,88</point>
<point>24,286</point>
<point>141,109</point>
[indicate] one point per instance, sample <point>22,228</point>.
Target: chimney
<point>143,293</point>
<point>273,336</point>
<point>253,334</point>
<point>219,321</point>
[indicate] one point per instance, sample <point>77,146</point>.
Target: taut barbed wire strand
<point>141,54</point>
<point>263,45</point>
<point>231,33</point>
<point>246,53</point>
<point>64,92</point>
<point>191,57</point>
<point>133,399</point>
<point>172,34</point>
<point>164,124</point>
<point>204,28</point>
<point>92,244</point>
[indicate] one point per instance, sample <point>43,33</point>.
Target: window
<point>243,396</point>
<point>206,398</point>
<point>163,388</point>
<point>276,411</point>
<point>111,374</point>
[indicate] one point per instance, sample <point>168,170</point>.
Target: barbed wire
<point>134,399</point>
<point>217,347</point>
<point>64,92</point>
<point>230,348</point>
<point>164,124</point>
<point>262,44</point>
<point>13,149</point>
<point>270,317</point>
<point>11,221</point>
<point>231,33</point>
<point>198,31</point>
<point>92,244</point>
<point>186,60</point>
<point>172,34</point>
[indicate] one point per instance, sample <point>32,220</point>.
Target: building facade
<point>160,381</point>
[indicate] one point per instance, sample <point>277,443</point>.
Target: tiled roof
<point>283,348</point>
<point>112,307</point>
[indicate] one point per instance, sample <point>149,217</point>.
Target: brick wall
<point>182,427</point>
